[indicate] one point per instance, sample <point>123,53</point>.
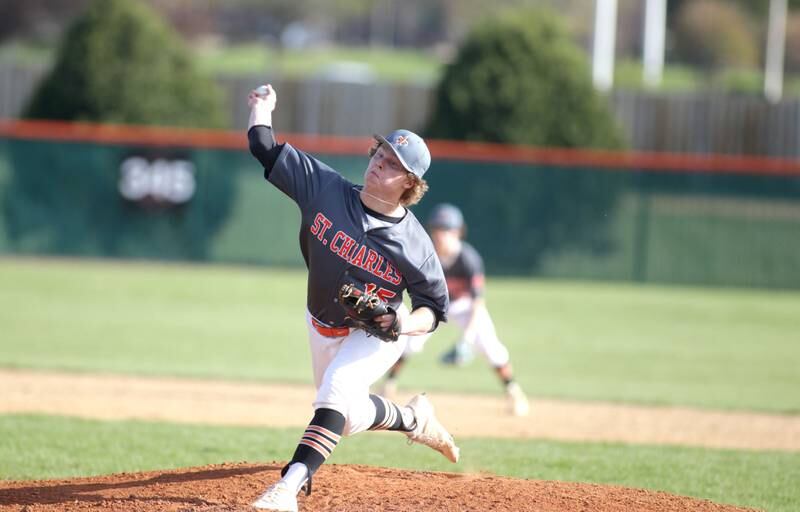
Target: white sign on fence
<point>160,180</point>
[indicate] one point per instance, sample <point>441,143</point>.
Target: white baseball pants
<point>483,339</point>
<point>345,368</point>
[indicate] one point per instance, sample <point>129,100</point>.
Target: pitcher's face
<point>386,174</point>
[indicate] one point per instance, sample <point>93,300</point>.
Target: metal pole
<point>776,42</point>
<point>605,31</point>
<point>655,21</point>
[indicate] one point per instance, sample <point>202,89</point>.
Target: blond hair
<point>412,195</point>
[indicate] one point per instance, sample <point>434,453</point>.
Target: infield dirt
<point>280,405</point>
<point>232,487</point>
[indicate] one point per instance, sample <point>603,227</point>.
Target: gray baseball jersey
<point>342,244</point>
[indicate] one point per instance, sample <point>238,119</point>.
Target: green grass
<point>384,63</point>
<point>712,348</point>
<point>399,65</point>
<point>37,447</point>
<point>681,78</point>
<point>26,54</point>
<point>628,74</point>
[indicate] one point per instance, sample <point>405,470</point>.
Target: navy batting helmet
<point>446,216</point>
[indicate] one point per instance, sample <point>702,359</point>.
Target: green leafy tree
<point>520,79</point>
<point>760,8</point>
<point>715,34</point>
<point>120,63</point>
<point>793,43</point>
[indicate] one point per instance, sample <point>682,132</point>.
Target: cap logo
<point>401,140</point>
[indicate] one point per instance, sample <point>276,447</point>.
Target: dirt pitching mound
<point>230,487</point>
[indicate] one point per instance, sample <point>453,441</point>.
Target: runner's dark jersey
<point>465,275</point>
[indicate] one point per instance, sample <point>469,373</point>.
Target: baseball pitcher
<point>363,249</point>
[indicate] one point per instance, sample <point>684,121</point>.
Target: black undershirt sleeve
<point>264,147</point>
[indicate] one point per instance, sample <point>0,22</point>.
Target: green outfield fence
<point>136,192</point>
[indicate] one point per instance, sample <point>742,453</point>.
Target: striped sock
<point>318,441</point>
<point>390,416</point>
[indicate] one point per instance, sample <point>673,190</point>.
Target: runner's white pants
<point>344,369</point>
<point>483,338</point>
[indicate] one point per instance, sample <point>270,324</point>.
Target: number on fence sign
<point>165,181</point>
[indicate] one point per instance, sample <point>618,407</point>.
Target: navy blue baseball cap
<point>446,216</point>
<point>409,148</point>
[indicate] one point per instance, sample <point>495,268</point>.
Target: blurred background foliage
<point>519,78</point>
<point>120,63</point>
<point>714,34</point>
<point>507,73</point>
<point>416,39</point>
<point>514,68</point>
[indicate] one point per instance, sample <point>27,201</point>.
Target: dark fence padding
<point>63,198</point>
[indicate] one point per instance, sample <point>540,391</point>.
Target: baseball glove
<point>362,307</point>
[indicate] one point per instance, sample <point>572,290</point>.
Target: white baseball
<point>262,90</point>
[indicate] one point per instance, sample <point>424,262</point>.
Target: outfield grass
<point>712,348</point>
<point>50,447</point>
